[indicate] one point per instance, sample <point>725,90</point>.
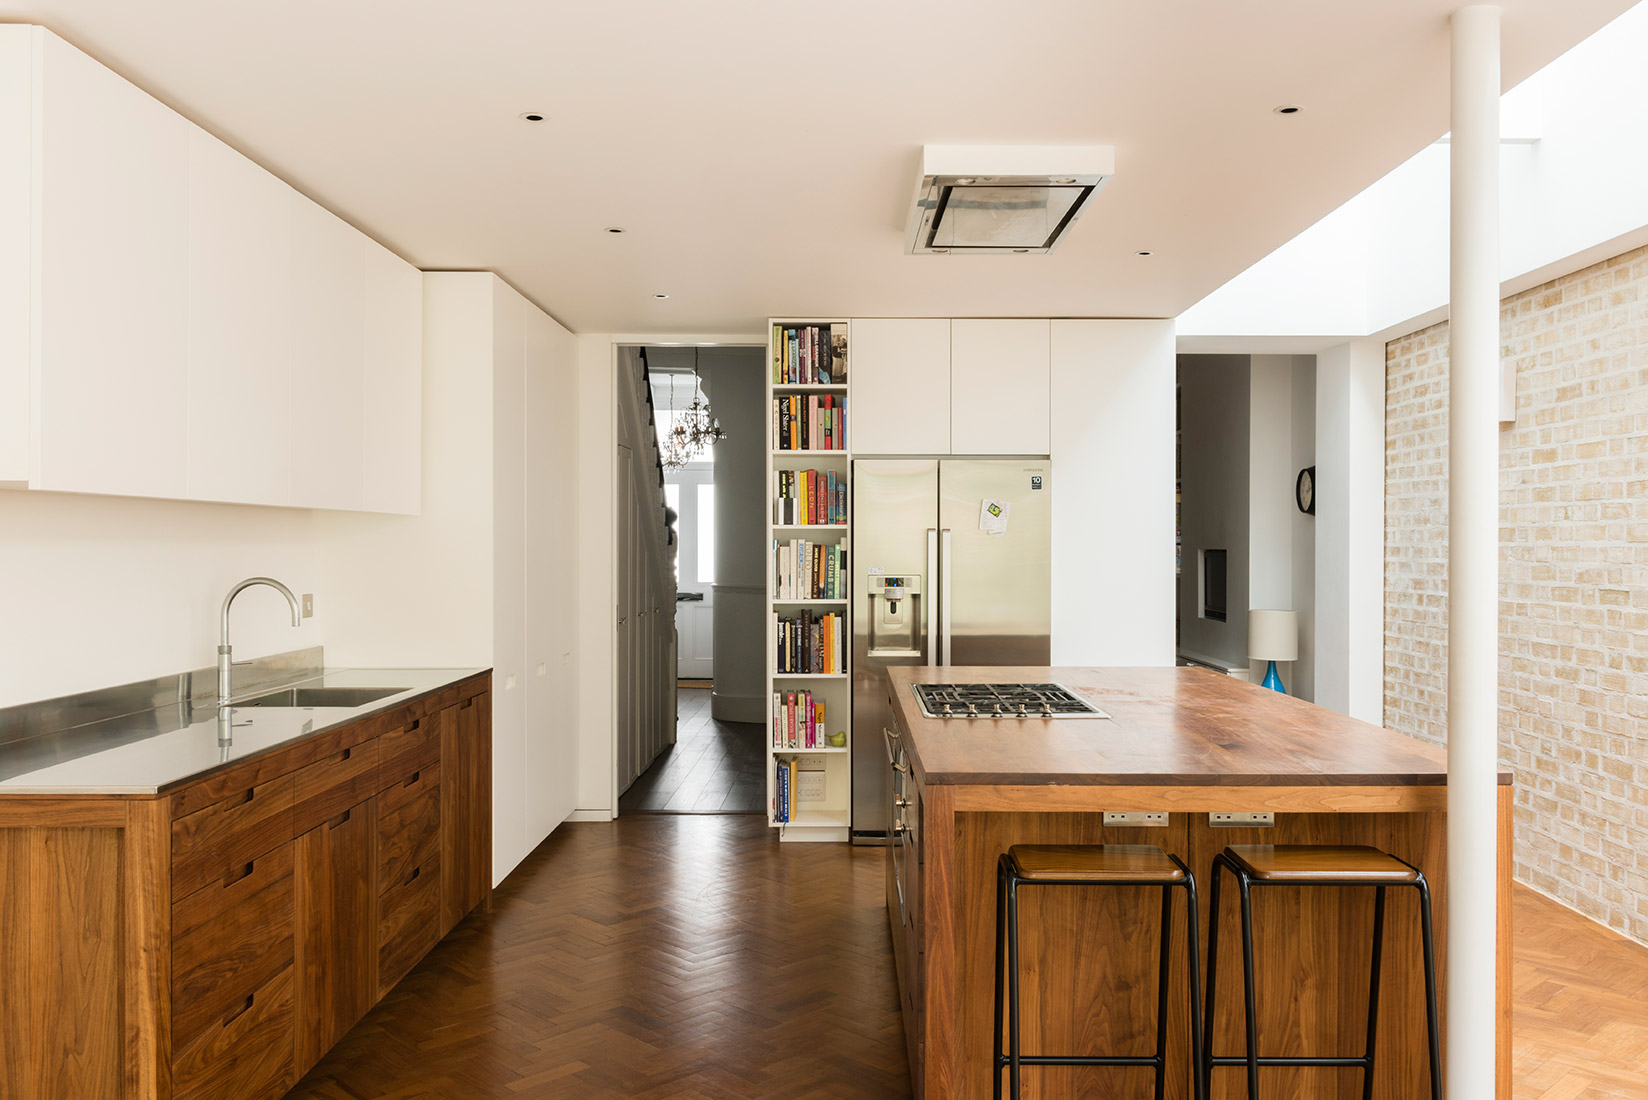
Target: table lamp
<point>1273,636</point>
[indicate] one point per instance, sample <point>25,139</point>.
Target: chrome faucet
<point>223,647</point>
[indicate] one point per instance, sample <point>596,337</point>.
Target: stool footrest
<point>1238,1060</point>
<point>1077,1060</point>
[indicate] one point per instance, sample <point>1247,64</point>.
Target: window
<point>706,533</point>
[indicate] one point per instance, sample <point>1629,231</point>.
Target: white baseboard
<point>738,708</point>
<point>590,815</point>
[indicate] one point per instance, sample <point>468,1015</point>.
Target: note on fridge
<point>993,516</point>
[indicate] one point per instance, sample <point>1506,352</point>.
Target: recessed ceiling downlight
<point>1288,109</point>
<point>615,230</point>
<point>532,116</point>
<point>660,296</point>
<point>1144,252</point>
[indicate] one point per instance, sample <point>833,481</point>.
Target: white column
<point>1473,554</point>
<point>1350,529</point>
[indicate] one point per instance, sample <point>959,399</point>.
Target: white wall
<point>1214,410</point>
<point>1303,527</point>
<point>1112,455</point>
<point>1350,528</point>
<point>101,591</point>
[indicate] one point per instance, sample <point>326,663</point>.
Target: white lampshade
<point>1273,635</point>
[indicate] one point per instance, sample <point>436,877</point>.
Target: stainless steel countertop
<point>153,751</point>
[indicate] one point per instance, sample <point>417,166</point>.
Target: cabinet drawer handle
<point>467,703</point>
<point>251,792</point>
<point>233,876</point>
<point>345,754</point>
<point>413,778</point>
<point>341,819</point>
<point>241,1011</point>
<point>413,728</point>
<point>416,871</point>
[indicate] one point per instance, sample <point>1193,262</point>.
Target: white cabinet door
<point>999,387</point>
<point>114,188</point>
<point>393,413</point>
<point>327,356</point>
<point>900,374</point>
<point>240,351</point>
<point>16,263</point>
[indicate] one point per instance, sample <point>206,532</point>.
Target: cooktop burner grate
<point>1003,701</point>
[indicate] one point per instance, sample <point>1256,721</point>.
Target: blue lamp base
<point>1273,681</point>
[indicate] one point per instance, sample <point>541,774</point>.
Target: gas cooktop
<point>1003,701</point>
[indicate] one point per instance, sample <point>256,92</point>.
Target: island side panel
<point>1089,961</point>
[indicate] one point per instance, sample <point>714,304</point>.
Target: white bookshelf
<point>827,818</point>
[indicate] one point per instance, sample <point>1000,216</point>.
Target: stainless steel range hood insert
<point>1003,199</point>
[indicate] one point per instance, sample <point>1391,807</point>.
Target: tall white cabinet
<point>176,321</point>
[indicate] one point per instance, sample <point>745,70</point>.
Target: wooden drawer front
<point>327,788</point>
<point>228,940</point>
<point>246,1054</point>
<point>405,750</point>
<point>409,825</point>
<point>222,838</point>
<point>409,915</point>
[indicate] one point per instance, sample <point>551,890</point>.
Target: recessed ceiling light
<point>660,295</point>
<point>1021,250</point>
<point>1144,252</point>
<point>1287,109</point>
<point>615,229</point>
<point>532,116</point>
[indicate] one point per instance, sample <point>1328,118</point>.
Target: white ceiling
<point>762,153</point>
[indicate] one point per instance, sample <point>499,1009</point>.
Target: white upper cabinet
<point>1000,374</point>
<point>177,322</point>
<point>111,283</point>
<point>901,386</point>
<point>240,275</point>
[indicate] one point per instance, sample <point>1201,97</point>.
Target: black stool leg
<point>1001,963</point>
<point>1161,991</point>
<point>1430,987</point>
<point>1013,985</point>
<point>1212,973</point>
<point>1198,1083</point>
<point>1247,988</point>
<point>1373,990</point>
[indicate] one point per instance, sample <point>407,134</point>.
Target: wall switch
<point>1253,820</point>
<point>809,786</point>
<point>308,605</point>
<point>509,682</point>
<point>810,763</point>
<point>542,668</point>
<point>566,658</point>
<point>1145,819</point>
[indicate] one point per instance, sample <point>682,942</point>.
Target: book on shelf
<point>797,720</point>
<point>806,570</point>
<point>807,355</point>
<point>809,422</point>
<point>810,643</point>
<point>784,792</point>
<point>810,498</point>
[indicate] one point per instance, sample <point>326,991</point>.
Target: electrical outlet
<point>809,786</point>
<point>542,668</point>
<point>1145,819</point>
<point>509,682</point>
<point>308,605</point>
<point>1259,819</point>
<point>810,763</point>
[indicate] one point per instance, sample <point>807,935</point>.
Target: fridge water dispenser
<point>895,615</point>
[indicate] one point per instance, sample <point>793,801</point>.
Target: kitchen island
<point>1189,743</point>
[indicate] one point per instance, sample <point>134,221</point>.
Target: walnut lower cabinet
<point>214,942</point>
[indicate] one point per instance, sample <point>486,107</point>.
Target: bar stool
<point>1091,865</point>
<point>1316,865</point>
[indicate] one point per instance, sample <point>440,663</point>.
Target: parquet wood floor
<point>657,957</point>
<point>1580,1014</point>
<point>713,767</point>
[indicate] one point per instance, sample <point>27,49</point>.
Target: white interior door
<point>691,492</point>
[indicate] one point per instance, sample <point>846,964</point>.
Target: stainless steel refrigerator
<point>951,565</point>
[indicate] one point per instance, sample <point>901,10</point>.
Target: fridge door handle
<point>944,599</point>
<point>929,600</point>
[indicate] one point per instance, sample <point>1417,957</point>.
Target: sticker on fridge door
<point>993,516</point>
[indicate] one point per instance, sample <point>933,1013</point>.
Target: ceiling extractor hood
<point>1003,198</point>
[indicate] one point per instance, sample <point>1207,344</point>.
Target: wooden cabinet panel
<point>406,749</point>
<point>247,1055</point>
<point>336,930</point>
<point>901,386</point>
<point>113,278</point>
<point>1000,387</point>
<point>466,807</point>
<point>409,824</point>
<point>228,940</point>
<point>212,842</point>
<point>409,914</point>
<point>327,788</point>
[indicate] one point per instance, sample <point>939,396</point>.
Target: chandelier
<point>694,429</point>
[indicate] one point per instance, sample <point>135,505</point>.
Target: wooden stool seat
<point>1310,864</point>
<point>1142,863</point>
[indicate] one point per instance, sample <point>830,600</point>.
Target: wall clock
<point>1304,491</point>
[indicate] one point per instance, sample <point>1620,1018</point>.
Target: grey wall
<point>1214,394</point>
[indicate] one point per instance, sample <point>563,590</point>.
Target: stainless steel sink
<point>320,697</point>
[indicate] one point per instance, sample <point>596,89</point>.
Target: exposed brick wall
<point>1573,582</point>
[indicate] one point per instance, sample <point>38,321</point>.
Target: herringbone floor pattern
<point>653,958</point>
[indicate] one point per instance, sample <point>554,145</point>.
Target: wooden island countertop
<point>1191,743</point>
